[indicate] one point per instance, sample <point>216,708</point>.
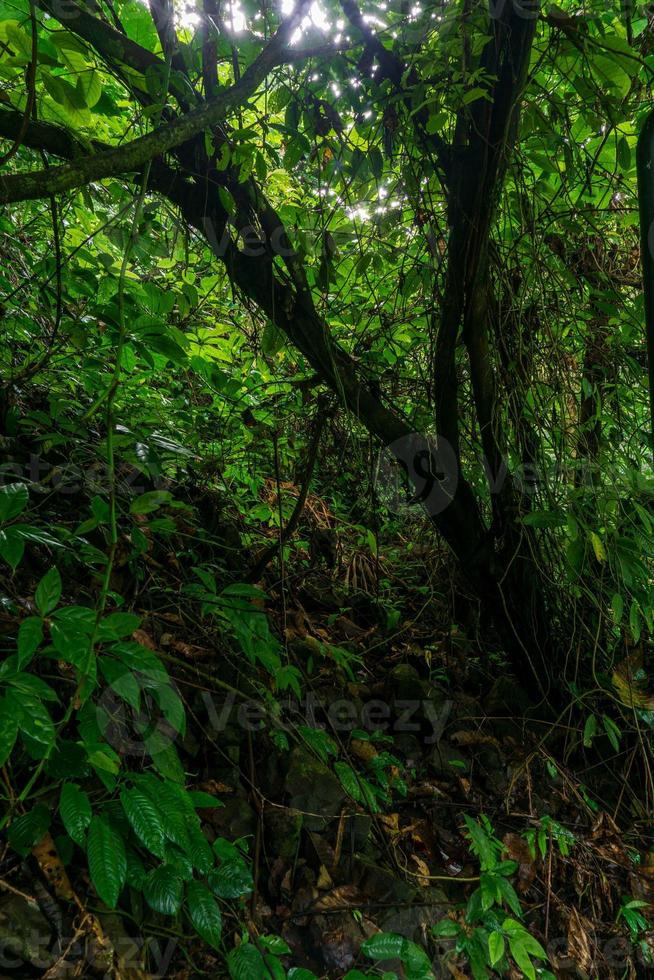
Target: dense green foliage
<point>388,252</point>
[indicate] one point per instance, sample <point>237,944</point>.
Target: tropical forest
<point>326,489</point>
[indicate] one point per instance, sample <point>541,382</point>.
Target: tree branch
<point>131,156</point>
<point>394,69</point>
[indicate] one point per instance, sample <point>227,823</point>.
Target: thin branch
<point>133,155</point>
<point>286,532</point>
<point>394,69</point>
<point>30,82</point>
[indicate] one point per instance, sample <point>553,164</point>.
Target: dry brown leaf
<point>365,751</point>
<point>390,820</point>
<point>324,879</point>
<point>518,850</point>
<point>215,788</point>
<point>580,942</point>
<point>455,971</point>
<point>423,871</point>
<point>465,737</point>
<point>344,896</point>
<point>53,869</point>
<point>324,850</point>
<point>140,636</point>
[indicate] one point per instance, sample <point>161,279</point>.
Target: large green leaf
<point>246,963</point>
<point>48,592</point>
<point>145,819</point>
<point>204,912</point>
<point>10,715</point>
<point>30,828</point>
<point>105,850</point>
<point>13,500</point>
<point>163,889</point>
<point>75,810</point>
<point>30,636</point>
<point>231,880</point>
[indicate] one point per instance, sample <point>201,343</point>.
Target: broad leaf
<point>105,850</point>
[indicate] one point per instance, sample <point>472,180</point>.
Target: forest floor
<point>351,793</point>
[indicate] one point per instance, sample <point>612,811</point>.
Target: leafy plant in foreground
<point>487,937</point>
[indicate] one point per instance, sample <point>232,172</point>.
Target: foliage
<point>415,227</point>
<point>488,937</point>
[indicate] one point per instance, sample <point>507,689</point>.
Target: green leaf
<point>590,730</point>
<point>349,780</point>
<point>10,714</point>
<point>390,946</point>
<point>246,963</point>
<point>204,801</point>
<point>482,844</point>
<point>14,498</point>
<point>152,500</point>
<point>473,94</point>
<point>105,850</point>
<point>227,200</point>
<point>118,624</point>
<point>446,928</point>
<point>376,162</point>
<point>28,829</point>
<point>204,913</point>
<point>163,889</point>
<point>199,849</point>
<point>495,947</point>
<point>272,340</point>
<point>509,895</point>
<point>521,956</point>
<point>617,608</point>
<point>145,819</point>
<point>35,720</point>
<point>623,153</point>
<point>75,810</point>
<point>231,880</point>
<point>89,83</point>
<point>179,861</point>
<point>384,946</point>
<point>12,546</point>
<point>318,739</point>
<point>30,636</point>
<point>613,732</point>
<point>136,873</point>
<point>275,945</point>
<point>48,592</point>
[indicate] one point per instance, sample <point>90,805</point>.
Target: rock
<point>235,819</point>
<point>383,886</point>
<point>407,745</point>
<point>506,696</point>
<point>415,922</point>
<point>283,830</point>
<point>313,789</point>
<point>447,760</point>
<point>24,933</point>
<point>406,683</point>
